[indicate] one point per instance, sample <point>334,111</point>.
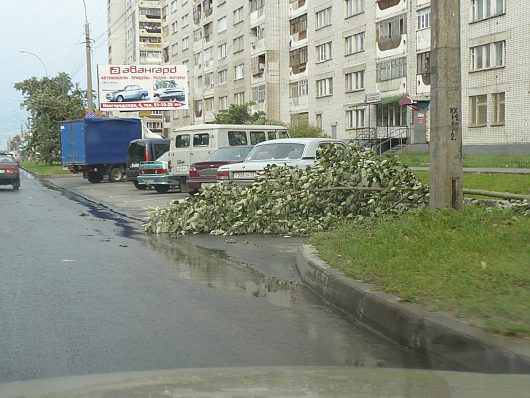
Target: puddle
<point>215,269</point>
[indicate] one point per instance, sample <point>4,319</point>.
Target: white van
<point>192,144</point>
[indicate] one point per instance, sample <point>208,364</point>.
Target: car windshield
<point>231,153</point>
<point>7,159</point>
<point>287,151</point>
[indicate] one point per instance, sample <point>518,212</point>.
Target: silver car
<point>128,93</point>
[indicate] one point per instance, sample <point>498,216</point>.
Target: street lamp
<point>90,100</point>
<point>39,58</point>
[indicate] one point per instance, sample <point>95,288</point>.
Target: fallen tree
<point>343,184</point>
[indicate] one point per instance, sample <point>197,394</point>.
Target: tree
<point>240,114</point>
<point>305,130</point>
<point>49,101</point>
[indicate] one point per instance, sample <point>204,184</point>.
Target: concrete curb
<point>444,339</point>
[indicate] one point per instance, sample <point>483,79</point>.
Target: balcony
<point>150,46</point>
<point>298,71</point>
<point>257,46</point>
<point>150,61</point>
<point>298,104</point>
<point>423,83</point>
<point>396,86</point>
<point>391,47</point>
<point>387,8</point>
<point>257,17</point>
<point>423,40</point>
<point>298,39</point>
<point>297,6</point>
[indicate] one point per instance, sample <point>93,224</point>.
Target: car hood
<point>277,381</point>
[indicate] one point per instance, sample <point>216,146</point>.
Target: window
<point>239,98</point>
<point>209,81</point>
<point>325,87</point>
<point>482,9</point>
<point>299,25</point>
<point>239,44</point>
<point>256,137</point>
<point>323,18</point>
<point>223,103</point>
<point>391,114</point>
<point>392,69</point>
<point>424,66</point>
<point>498,108</point>
<point>298,89</point>
<point>208,31</point>
<point>185,43</point>
<point>256,5</point>
<point>222,76</point>
<point>324,52</point>
<point>354,81</point>
<point>258,93</point>
<point>353,7</point>
<point>174,28</point>
<point>489,55</point>
<point>174,49</point>
<point>239,71</point>
<point>202,139</point>
<point>318,120</point>
<point>182,141</point>
<point>354,43</point>
<point>392,28</point>
<point>478,110</point>
<point>355,118</point>
<point>173,6</point>
<point>221,25</point>
<point>184,20</point>
<point>221,51</point>
<point>238,15</point>
<point>237,138</point>
<point>197,34</point>
<point>298,59</point>
<point>208,104</point>
<point>424,18</point>
<point>197,106</point>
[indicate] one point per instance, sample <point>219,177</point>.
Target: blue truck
<point>97,147</point>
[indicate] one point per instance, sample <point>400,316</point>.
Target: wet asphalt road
<point>83,291</point>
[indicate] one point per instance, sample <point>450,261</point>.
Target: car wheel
<point>116,174</point>
<point>16,187</point>
<point>143,97</point>
<point>139,186</point>
<point>119,98</point>
<point>161,188</point>
<point>94,177</point>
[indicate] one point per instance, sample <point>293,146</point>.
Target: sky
<point>54,31</point>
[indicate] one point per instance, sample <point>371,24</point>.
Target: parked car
<point>9,170</point>
<point>204,173</point>
<point>299,152</point>
<point>169,90</point>
<point>155,174</point>
<point>143,150</point>
<point>128,93</point>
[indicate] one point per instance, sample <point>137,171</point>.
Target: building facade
<point>359,69</point>
<point>134,29</point>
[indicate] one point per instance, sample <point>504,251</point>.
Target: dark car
<point>143,150</point>
<point>9,171</point>
<point>203,173</point>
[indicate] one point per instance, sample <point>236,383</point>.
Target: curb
<point>444,339</point>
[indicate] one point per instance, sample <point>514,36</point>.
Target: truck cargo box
<point>97,140</point>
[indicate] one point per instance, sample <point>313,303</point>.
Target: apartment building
<point>236,52</point>
<point>134,29</point>
<point>495,58</point>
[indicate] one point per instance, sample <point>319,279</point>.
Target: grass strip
<point>469,160</point>
<point>44,169</point>
<point>474,264</point>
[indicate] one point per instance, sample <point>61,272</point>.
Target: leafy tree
<point>240,114</point>
<point>49,101</point>
<point>305,130</point>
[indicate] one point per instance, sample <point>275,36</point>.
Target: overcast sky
<point>53,30</point>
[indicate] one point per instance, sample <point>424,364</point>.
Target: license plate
<point>149,181</point>
<point>135,164</point>
<point>2,171</point>
<point>245,174</point>
<point>181,168</point>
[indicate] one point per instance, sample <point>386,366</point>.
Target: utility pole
<point>90,99</point>
<point>446,107</point>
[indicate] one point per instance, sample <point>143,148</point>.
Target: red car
<point>203,173</point>
<point>9,172</point>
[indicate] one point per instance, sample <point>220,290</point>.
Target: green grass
<point>43,168</point>
<point>474,264</point>
<point>514,183</point>
<point>501,161</point>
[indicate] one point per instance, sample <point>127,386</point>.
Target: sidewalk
<point>486,170</point>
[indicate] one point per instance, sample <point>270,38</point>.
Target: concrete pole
<point>90,99</point>
<point>446,110</point>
